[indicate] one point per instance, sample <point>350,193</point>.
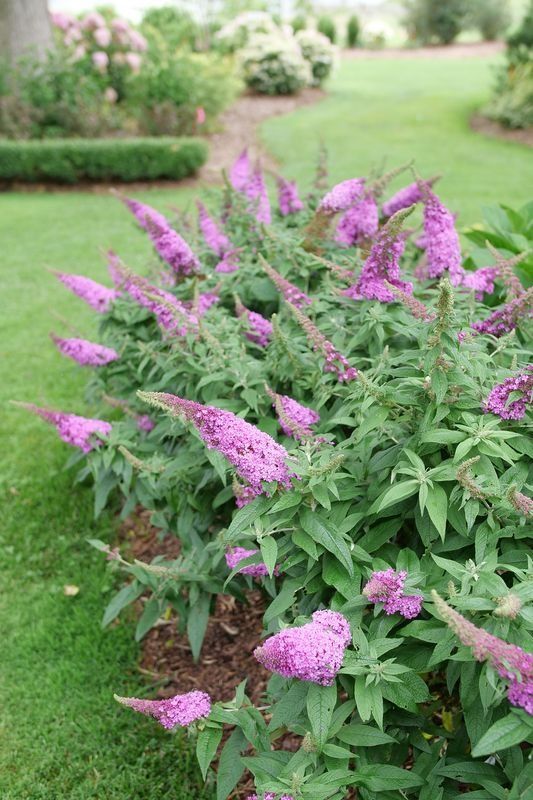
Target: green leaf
<point>147,620</point>
<point>393,495</point>
<point>384,777</point>
<point>320,704</point>
<point>269,551</point>
<point>206,747</point>
<point>363,735</point>
<point>325,534</point>
<point>128,594</point>
<point>247,515</point>
<point>437,508</point>
<point>508,731</point>
<point>230,766</point>
<point>197,624</point>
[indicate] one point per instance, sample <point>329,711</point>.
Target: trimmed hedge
<point>73,160</point>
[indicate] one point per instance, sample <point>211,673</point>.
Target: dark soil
<point>489,127</point>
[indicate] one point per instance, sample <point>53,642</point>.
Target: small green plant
<point>326,26</point>
<point>353,31</point>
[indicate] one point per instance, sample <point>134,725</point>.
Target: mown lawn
<point>387,112</point>
<point>61,734</point>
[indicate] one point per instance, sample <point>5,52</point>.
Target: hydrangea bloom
<point>182,709</point>
<point>144,214</point>
<point>88,354</point>
<point>442,242</point>
<point>290,292</point>
<point>295,420</point>
<point>511,662</point>
<point>387,587</point>
<point>254,454</point>
<point>214,237</point>
<point>237,554</point>
<point>313,652</point>
<point>498,400</point>
<point>342,196</point>
<point>74,430</point>
<point>381,267</point>
<point>335,361</point>
<point>97,296</point>
<point>260,328</point>
<point>288,198</point>
<point>256,191</point>
<point>172,248</point>
<point>358,223</point>
<point>239,175</point>
<point>405,197</point>
<point>505,319</point>
<point>482,281</point>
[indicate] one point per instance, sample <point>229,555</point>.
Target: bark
<point>24,28</point>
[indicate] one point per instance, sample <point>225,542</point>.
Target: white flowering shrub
<point>274,64</point>
<point>319,52</point>
<point>237,33</point>
<point>321,404</point>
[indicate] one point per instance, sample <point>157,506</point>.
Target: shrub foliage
<point>349,400</point>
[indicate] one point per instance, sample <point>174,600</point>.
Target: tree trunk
<point>24,28</point>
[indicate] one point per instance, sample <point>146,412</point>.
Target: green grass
<point>391,111</point>
<point>61,734</point>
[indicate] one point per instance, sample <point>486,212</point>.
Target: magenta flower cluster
<point>240,172</point>
<point>505,319</point>
<point>312,652</point>
<point>270,796</point>
<point>288,290</point>
<point>97,296</point>
<point>288,198</point>
<point>257,458</point>
<point>334,361</point>
<point>260,328</point>
<point>172,248</point>
<point>256,191</point>
<point>88,354</point>
<point>382,264</point>
<point>295,420</point>
<point>214,237</point>
<point>182,709</point>
<point>442,242</point>
<point>77,431</point>
<point>405,197</point>
<point>359,223</point>
<point>511,663</point>
<point>237,554</point>
<point>499,400</point>
<point>342,196</point>
<point>145,214</point>
<point>481,281</point>
<point>387,587</point>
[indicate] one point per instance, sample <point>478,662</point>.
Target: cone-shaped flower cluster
<point>288,198</point>
<point>97,296</point>
<point>359,223</point>
<point>295,420</point>
<point>510,662</point>
<point>335,361</point>
<point>144,214</point>
<point>257,458</point>
<point>214,237</point>
<point>342,196</point>
<point>256,191</point>
<point>201,304</point>
<point>172,248</point>
<point>270,796</point>
<point>387,587</point>
<point>481,281</point>
<point>290,292</point>
<point>74,430</point>
<point>88,354</point>
<point>405,197</point>
<point>145,423</point>
<point>313,652</point>
<point>442,242</point>
<point>383,265</point>
<point>182,709</point>
<point>237,554</point>
<point>498,402</point>
<point>239,175</point>
<point>260,328</point>
<point>505,319</point>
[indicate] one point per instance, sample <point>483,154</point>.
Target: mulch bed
<point>489,127</point>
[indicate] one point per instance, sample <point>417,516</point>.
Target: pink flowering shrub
<point>342,426</point>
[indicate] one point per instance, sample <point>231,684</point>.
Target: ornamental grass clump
<point>341,427</point>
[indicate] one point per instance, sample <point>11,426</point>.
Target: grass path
<point>61,735</point>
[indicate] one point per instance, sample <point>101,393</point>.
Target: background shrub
<point>73,160</point>
<point>318,52</point>
<point>299,23</point>
<point>490,17</point>
<point>434,20</point>
<point>523,36</point>
<point>353,31</point>
<point>326,26</point>
<point>174,25</point>
<point>274,64</point>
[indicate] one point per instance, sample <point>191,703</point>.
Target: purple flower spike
<point>145,423</point>
<point>239,175</point>
<point>214,237</point>
<point>387,587</point>
<point>260,331</point>
<point>407,196</point>
<point>359,223</point>
<point>342,196</point>
<point>97,296</point>
<point>505,319</point>
<point>313,652</point>
<point>257,458</point>
<point>88,354</point>
<point>288,198</point>
<point>180,710</point>
<point>442,242</point>
<point>144,214</point>
<point>256,191</point>
<point>270,796</point>
<point>335,361</point>
<point>237,554</point>
<point>173,249</point>
<point>498,401</point>
<point>290,292</point>
<point>481,281</point>
<point>295,420</point>
<point>77,431</point>
<point>229,262</point>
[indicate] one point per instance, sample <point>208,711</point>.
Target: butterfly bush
<point>88,354</point>
<point>97,296</point>
<point>404,463</point>
<point>288,198</point>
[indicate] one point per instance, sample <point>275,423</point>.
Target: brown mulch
<point>238,129</point>
<point>461,50</point>
<point>489,127</point>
